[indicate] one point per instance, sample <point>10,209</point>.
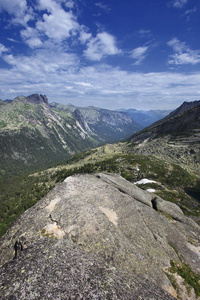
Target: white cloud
<point>60,76</point>
<point>85,84</point>
<point>14,7</point>
<point>183,54</point>
<point>12,40</point>
<point>190,11</point>
<point>31,37</point>
<point>104,44</point>
<point>144,33</point>
<point>58,24</point>
<point>69,4</point>
<point>34,42</point>
<point>3,49</point>
<point>103,6</point>
<point>49,5</point>
<point>84,36</point>
<point>179,3</point>
<point>45,63</point>
<point>19,10</point>
<point>139,54</point>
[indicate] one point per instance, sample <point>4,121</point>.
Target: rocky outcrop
<point>115,240</point>
<point>60,270</point>
<point>38,99</point>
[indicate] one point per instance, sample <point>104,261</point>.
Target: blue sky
<point>142,54</point>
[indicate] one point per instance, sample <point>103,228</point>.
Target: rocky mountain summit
<point>99,236</point>
<point>37,99</point>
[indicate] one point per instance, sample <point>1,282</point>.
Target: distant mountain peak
<point>37,99</point>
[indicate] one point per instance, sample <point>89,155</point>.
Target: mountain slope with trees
<point>34,134</point>
<point>176,138</point>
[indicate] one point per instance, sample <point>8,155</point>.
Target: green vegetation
<point>18,194</point>
<point>2,124</point>
<point>185,271</point>
<point>191,279</point>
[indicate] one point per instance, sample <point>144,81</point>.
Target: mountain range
<point>35,134</point>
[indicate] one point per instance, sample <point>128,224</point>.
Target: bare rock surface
<point>52,269</point>
<point>100,226</point>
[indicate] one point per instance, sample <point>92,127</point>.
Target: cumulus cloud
<point>34,42</point>
<point>183,54</point>
<point>84,36</point>
<point>19,10</point>
<point>31,37</point>
<point>139,54</point>
<point>58,24</point>
<point>55,21</point>
<point>69,4</point>
<point>104,44</point>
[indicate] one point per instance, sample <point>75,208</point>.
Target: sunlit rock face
<point>97,235</point>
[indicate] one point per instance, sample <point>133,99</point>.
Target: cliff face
<point>97,235</point>
<point>109,125</point>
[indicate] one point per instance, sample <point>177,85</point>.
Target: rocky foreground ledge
<point>97,237</point>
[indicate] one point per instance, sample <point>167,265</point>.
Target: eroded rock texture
<point>97,237</point>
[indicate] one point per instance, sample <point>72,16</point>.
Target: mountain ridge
<point>104,121</point>
<point>184,118</point>
<point>185,106</point>
<point>34,134</point>
<point>175,138</point>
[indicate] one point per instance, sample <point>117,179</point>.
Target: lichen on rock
<point>115,226</point>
